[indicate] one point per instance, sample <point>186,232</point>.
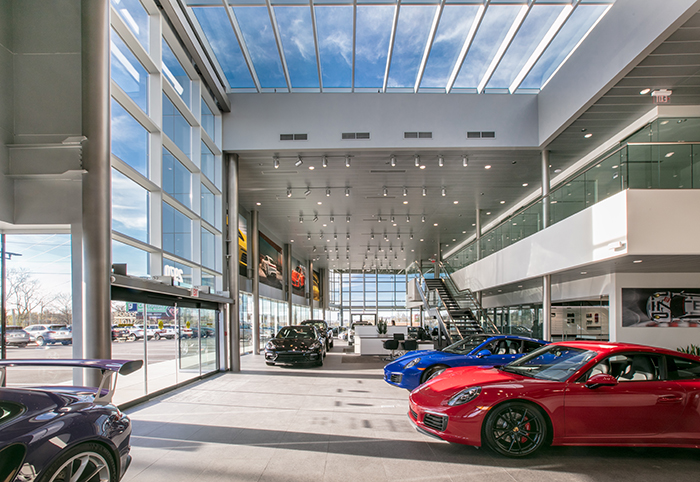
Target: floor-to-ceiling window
<point>381,294</point>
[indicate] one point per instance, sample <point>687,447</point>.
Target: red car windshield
<point>551,362</point>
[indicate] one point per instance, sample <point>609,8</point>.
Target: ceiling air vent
<point>481,135</point>
<point>417,135</point>
<point>294,137</point>
<point>355,135</point>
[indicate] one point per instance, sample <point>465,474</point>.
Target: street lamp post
<point>4,255</point>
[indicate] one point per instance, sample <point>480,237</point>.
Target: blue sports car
<point>64,433</point>
<point>416,367</point>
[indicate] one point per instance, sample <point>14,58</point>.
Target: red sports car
<point>570,393</point>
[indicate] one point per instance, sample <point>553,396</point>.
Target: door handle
<point>670,398</point>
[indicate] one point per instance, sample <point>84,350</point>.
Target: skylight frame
<point>477,24</point>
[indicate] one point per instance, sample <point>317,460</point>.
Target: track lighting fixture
<point>289,193</point>
<point>444,191</point>
<point>385,191</point>
<point>347,161</point>
<point>335,235</point>
<point>408,218</point>
<point>393,161</point>
<point>464,161</point>
<point>328,192</point>
<point>324,162</point>
<point>347,191</point>
<point>308,191</point>
<point>332,219</point>
<point>308,237</point>
<point>301,219</point>
<point>441,161</point>
<point>314,250</point>
<point>393,220</point>
<point>417,160</point>
<point>315,218</point>
<point>347,219</point>
<point>372,235</point>
<point>347,236</point>
<point>405,192</point>
<point>422,219</point>
<point>276,162</point>
<point>425,192</point>
<point>299,162</point>
<point>411,236</point>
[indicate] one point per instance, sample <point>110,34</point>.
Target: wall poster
<point>661,307</point>
<point>242,246</point>
<point>298,277</point>
<point>317,286</point>
<point>270,263</point>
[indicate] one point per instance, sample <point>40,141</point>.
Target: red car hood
<point>441,388</point>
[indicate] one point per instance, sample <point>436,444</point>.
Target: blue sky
<point>294,36</point>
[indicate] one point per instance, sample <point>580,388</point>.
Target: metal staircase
<point>458,313</point>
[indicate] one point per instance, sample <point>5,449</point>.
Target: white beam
<point>465,48</point>
<point>241,41</point>
<point>278,40</point>
<point>429,44</point>
<point>391,44</point>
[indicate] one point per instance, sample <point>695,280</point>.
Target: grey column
<point>287,272</point>
<point>96,217</point>
<point>255,258</point>
<point>234,332</point>
<point>547,307</point>
<point>478,234</point>
<point>309,286</point>
<point>3,293</point>
<point>546,279</point>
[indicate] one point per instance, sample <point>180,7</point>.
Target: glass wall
<point>157,190</point>
<point>379,293</point>
<point>663,155</point>
<point>176,344</point>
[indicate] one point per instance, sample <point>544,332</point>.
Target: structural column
<point>3,293</point>
<point>546,279</point>
<point>96,218</point>
<point>309,287</point>
<point>233,322</point>
<point>287,271</point>
<point>255,258</point>
<point>478,245</point>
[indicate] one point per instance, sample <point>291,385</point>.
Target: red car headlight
<point>466,395</point>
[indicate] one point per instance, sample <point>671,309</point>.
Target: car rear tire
<point>515,429</point>
<point>269,363</point>
<point>90,462</point>
<point>432,372</point>
<point>319,363</point>
<point>40,341</point>
<point>22,345</point>
<point>131,337</point>
<point>157,336</point>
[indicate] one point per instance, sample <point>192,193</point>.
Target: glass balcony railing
<point>635,165</point>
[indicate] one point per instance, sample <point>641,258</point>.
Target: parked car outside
<point>151,331</point>
<point>169,332</point>
<point>134,333</point>
<point>296,344</point>
<point>49,334</point>
<point>119,332</point>
<point>16,336</point>
<point>566,393</point>
<point>64,433</point>
<point>416,367</point>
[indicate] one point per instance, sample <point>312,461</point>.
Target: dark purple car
<point>64,433</point>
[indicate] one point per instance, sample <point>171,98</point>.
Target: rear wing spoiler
<point>104,392</point>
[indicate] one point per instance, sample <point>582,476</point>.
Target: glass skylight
<point>504,46</point>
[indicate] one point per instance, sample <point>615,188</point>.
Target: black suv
<point>322,327</point>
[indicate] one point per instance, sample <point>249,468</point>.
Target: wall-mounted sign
<point>176,273</point>
<point>242,246</point>
<point>298,277</point>
<point>317,286</point>
<point>270,263</point>
<point>661,307</point>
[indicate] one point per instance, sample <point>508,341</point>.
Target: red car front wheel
<point>515,429</point>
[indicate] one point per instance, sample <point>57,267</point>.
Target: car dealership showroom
<point>349,240</point>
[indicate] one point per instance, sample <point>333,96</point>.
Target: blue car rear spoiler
<point>103,395</point>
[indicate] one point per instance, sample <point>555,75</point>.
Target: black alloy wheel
<point>515,429</point>
<point>432,372</point>
<point>88,462</point>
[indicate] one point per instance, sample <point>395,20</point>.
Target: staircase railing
<point>466,299</point>
<point>434,306</point>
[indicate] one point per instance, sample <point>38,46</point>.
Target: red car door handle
<point>670,398</point>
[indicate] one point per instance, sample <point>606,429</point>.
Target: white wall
<point>664,337</point>
<point>607,55</point>
<point>256,120</point>
<point>580,239</point>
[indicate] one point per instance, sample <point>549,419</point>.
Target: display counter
<point>369,342</point>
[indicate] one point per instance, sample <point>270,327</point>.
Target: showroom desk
<point>374,345</point>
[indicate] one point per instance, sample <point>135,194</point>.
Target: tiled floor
<point>341,422</point>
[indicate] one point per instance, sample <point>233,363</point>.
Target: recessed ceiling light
<point>524,184</point>
<point>258,204</point>
<point>421,240</point>
<point>324,225</point>
<point>663,123</point>
<point>405,202</point>
<point>435,224</point>
<point>487,166</point>
<point>455,202</point>
<point>520,286</point>
<point>311,168</point>
<point>669,154</point>
<point>637,261</point>
<point>464,232</point>
<point>588,136</point>
<point>557,171</point>
<point>584,272</point>
<point>644,92</point>
<point>503,202</point>
<point>319,203</point>
<point>422,166</point>
<point>291,240</point>
<point>488,213</point>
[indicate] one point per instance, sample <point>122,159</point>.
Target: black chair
<point>398,336</point>
<point>410,345</point>
<point>391,345</point>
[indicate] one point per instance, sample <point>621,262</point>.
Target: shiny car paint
<point>396,373</point>
<point>48,421</point>
<point>289,351</point>
<point>658,412</point>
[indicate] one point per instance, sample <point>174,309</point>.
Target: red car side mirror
<point>601,380</point>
